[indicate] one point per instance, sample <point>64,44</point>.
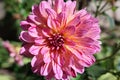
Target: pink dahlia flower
<point>13,52</point>
<point>60,39</point>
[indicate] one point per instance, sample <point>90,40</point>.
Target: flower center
<point>55,41</point>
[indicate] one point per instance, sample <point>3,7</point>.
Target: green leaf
<point>96,71</point>
<point>6,77</point>
<point>117,63</point>
<point>114,8</point>
<point>107,76</point>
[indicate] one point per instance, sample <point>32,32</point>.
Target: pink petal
<point>53,24</point>
<point>24,50</point>
<point>51,2</point>
<point>75,21</point>
<point>83,63</point>
<point>34,50</point>
<point>89,30</point>
<point>34,31</point>
<point>82,13</point>
<point>76,66</point>
<point>86,59</point>
<point>51,13</point>
<point>80,31</point>
<point>94,32</point>
<point>58,5</point>
<point>39,41</point>
<point>36,63</point>
<point>34,59</point>
<point>60,60</point>
<point>89,59</point>
<point>86,41</point>
<point>47,58</point>
<point>87,50</point>
<point>25,25</point>
<point>62,18</point>
<point>46,32</point>
<point>88,46</point>
<point>35,19</point>
<point>74,52</point>
<point>49,76</point>
<point>50,23</point>
<point>69,30</point>
<point>57,70</point>
<point>26,37</point>
<point>70,10</point>
<point>35,10</point>
<point>44,50</point>
<point>43,6</point>
<point>70,42</point>
<point>73,73</point>
<point>45,69</point>
<point>90,49</point>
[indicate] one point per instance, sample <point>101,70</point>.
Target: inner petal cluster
<point>55,41</point>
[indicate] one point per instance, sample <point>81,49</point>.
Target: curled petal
<point>26,37</point>
<point>25,25</point>
<point>35,19</point>
<point>35,10</point>
<point>35,31</point>
<point>42,7</point>
<point>25,50</point>
<point>33,61</point>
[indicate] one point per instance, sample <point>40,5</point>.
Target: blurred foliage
<point>16,10</point>
<point>107,66</point>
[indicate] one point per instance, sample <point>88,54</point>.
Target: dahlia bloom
<point>13,52</point>
<point>60,40</point>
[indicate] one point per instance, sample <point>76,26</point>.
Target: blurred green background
<point>107,66</point>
